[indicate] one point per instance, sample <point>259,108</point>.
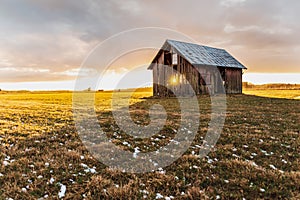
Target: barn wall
<point>209,80</point>
<point>161,76</point>
<point>188,75</point>
<point>233,81</point>
<point>155,79</point>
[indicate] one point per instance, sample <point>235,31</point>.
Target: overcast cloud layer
<point>48,40</point>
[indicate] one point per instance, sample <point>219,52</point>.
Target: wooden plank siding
<point>209,80</point>
<point>233,81</point>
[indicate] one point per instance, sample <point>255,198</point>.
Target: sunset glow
<point>44,50</point>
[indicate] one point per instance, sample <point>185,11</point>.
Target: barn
<point>192,69</point>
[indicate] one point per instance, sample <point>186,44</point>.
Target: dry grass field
<point>275,93</point>
<point>257,155</point>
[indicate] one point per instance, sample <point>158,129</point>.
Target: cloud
<point>48,40</point>
<point>230,3</point>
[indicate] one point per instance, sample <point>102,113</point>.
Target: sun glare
<point>174,80</point>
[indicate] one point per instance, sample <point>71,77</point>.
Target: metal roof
<point>199,55</point>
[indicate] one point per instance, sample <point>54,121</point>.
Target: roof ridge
<point>195,44</point>
<point>200,55</point>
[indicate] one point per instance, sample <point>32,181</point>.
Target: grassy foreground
<point>41,155</point>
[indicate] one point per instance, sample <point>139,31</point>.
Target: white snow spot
<point>5,163</point>
<point>47,164</point>
<point>1,175</point>
<point>24,190</point>
<point>262,190</point>
<point>51,180</point>
<point>40,177</point>
<point>136,151</point>
<point>226,181</point>
<point>62,191</point>
<point>234,155</point>
<point>81,157</point>
<point>144,191</point>
<point>161,170</point>
<point>285,145</point>
<point>272,166</point>
<point>159,196</point>
<point>284,161</point>
<point>83,165</point>
<point>91,170</point>
<point>263,151</point>
<point>254,164</point>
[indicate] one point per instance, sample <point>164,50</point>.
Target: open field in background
<point>274,93</point>
<point>257,155</point>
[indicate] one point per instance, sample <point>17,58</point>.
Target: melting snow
<point>51,180</point>
<point>272,166</point>
<point>91,170</point>
<point>159,196</point>
<point>262,190</point>
<point>62,191</point>
<point>136,151</point>
<point>284,161</point>
<point>234,155</point>
<point>5,163</point>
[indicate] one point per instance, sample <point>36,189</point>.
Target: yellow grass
<point>275,93</point>
<point>257,155</point>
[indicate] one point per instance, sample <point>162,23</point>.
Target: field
<point>277,93</point>
<point>257,155</point>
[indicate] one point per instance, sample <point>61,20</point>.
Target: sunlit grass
<point>287,94</point>
<point>256,157</point>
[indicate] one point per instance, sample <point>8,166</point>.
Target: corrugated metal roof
<point>203,55</point>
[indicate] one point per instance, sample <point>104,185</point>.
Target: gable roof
<point>199,55</point>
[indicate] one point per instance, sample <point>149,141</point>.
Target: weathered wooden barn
<point>206,69</point>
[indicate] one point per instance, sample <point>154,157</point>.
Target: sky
<point>44,43</point>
